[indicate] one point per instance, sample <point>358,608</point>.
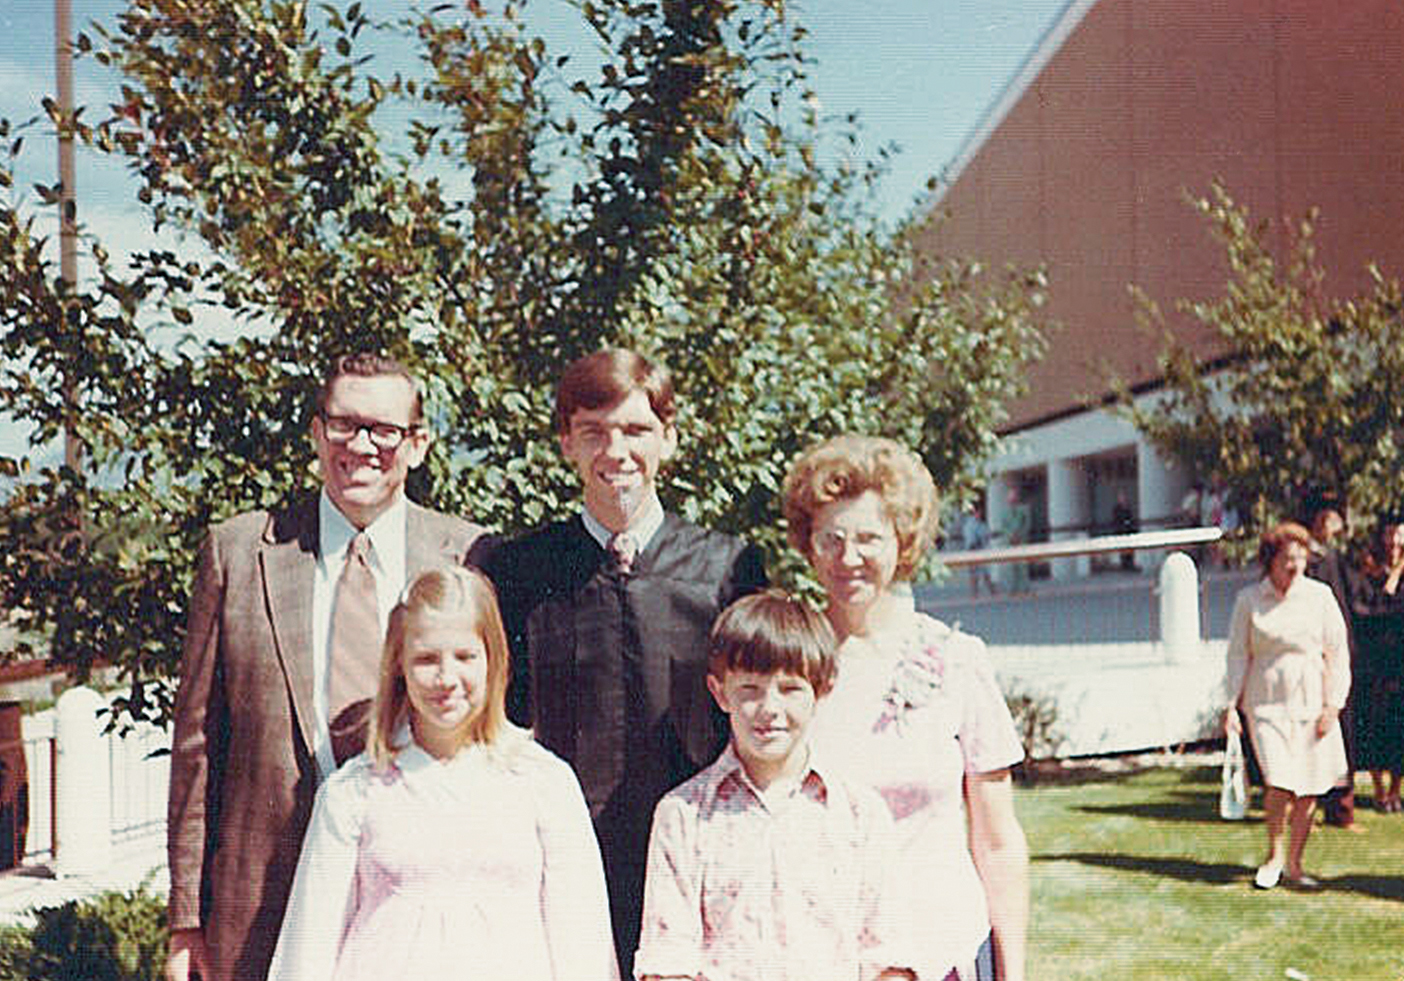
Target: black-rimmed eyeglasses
<point>383,435</point>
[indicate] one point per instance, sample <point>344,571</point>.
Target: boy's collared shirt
<point>751,886</point>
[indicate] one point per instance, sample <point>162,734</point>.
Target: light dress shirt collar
<point>731,775</point>
<point>416,763</point>
<point>1269,594</point>
<point>647,520</point>
<point>386,533</point>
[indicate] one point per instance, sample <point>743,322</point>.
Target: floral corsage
<point>917,679</point>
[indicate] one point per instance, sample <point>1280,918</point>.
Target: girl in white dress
<point>454,847</point>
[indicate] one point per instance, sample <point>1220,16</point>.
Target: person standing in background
<point>1289,670</point>
<point>975,535</point>
<point>1017,524</point>
<point>1124,523</point>
<point>1324,514</point>
<point>1377,614</point>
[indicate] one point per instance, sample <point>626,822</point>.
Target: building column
<point>1159,488</point>
<point>996,508</point>
<point>83,786</point>
<point>1069,504</point>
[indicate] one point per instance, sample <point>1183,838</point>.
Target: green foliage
<point>114,936</point>
<point>1309,393</point>
<point>1036,720</point>
<point>487,220</point>
<point>14,952</point>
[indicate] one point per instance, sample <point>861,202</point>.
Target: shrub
<point>1036,720</point>
<point>487,217</point>
<point>115,936</point>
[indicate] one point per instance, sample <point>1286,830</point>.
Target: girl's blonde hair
<point>450,591</point>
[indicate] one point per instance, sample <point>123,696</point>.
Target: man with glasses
<point>608,613</point>
<point>281,658</point>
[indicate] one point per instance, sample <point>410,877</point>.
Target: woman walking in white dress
<point>1289,669</point>
<point>454,846</point>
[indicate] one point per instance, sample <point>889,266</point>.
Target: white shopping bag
<point>1233,795</point>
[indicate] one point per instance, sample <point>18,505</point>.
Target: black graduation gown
<point>610,671</point>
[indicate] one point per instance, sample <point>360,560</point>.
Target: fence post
<point>1179,608</point>
<point>83,815</point>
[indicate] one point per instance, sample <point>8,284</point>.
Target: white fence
<point>138,772</point>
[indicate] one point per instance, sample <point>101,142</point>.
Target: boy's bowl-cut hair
<point>772,631</point>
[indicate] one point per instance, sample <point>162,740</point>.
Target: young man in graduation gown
<point>608,614</point>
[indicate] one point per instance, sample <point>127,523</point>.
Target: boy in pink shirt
<point>768,865</point>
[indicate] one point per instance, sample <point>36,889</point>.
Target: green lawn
<point>1135,877</point>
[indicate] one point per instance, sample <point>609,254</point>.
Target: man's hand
<point>1326,720</point>
<point>187,958</point>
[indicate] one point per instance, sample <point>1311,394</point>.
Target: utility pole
<point>68,212</point>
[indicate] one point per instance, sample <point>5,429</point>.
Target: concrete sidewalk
<point>139,859</point>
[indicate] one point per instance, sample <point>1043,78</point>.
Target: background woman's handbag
<point>1233,795</point>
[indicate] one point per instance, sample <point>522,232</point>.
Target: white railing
<point>1119,663</point>
<point>1071,547</point>
<point>138,773</point>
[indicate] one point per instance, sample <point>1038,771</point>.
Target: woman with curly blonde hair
<point>915,710</point>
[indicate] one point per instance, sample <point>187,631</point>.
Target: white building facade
<point>1070,474</point>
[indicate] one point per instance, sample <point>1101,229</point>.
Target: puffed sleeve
<point>323,891</point>
<point>670,939</point>
<point>1337,650</point>
<point>988,739</point>
<point>574,905</point>
<point>1238,648</point>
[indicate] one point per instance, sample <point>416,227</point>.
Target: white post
<point>83,805</point>
<point>1179,608</point>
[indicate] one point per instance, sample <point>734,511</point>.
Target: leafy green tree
<point>1306,390</point>
<point>487,217</point>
